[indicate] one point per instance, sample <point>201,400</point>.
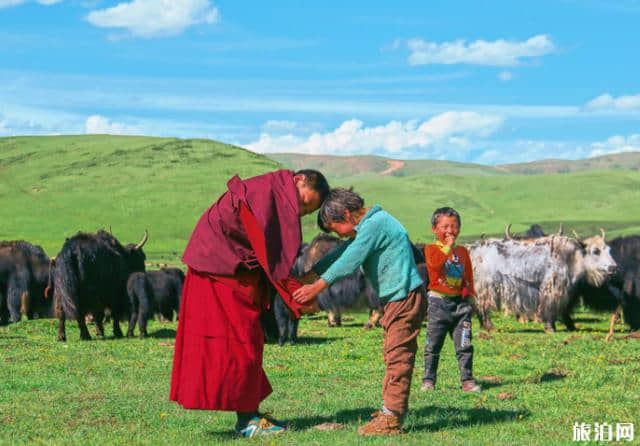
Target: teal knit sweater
<point>382,247</point>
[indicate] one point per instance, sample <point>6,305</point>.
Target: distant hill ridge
<point>342,166</point>
<point>53,186</point>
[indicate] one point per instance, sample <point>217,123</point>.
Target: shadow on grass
<point>486,385</point>
<point>445,417</point>
<point>352,324</point>
<point>558,330</point>
<point>552,376</point>
<point>589,319</point>
<point>455,417</point>
<point>163,333</point>
<point>306,340</point>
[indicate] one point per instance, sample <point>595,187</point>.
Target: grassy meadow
<point>112,391</point>
<point>52,187</point>
<point>116,391</point>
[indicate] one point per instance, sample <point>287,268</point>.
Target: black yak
<point>91,275</point>
<point>24,274</point>
<point>153,292</point>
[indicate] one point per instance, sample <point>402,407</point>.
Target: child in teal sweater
<point>380,244</point>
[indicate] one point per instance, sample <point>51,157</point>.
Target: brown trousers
<point>401,323</point>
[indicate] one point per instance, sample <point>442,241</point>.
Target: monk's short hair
<point>447,212</point>
<point>338,201</point>
<point>316,181</point>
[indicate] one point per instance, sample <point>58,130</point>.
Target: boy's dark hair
<point>447,212</point>
<point>316,181</point>
<point>338,201</point>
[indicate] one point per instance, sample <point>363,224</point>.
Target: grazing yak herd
<point>92,276</point>
<point>531,277</point>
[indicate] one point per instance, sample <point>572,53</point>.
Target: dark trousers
<point>448,315</point>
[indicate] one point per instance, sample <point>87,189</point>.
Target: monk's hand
<point>307,293</point>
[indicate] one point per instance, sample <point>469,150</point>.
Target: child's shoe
<point>381,424</point>
<point>427,385</point>
<point>471,386</point>
<point>260,425</point>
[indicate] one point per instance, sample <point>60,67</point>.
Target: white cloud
<point>522,151</point>
<point>616,144</point>
<point>505,76</point>
<point>152,18</point>
<point>8,3</point>
<point>501,53</point>
<point>97,124</point>
<point>352,137</point>
<point>608,102</point>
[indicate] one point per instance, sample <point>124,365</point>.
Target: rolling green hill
<point>53,186</point>
<point>629,161</point>
<point>350,166</point>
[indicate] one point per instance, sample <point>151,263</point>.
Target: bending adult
<point>245,240</point>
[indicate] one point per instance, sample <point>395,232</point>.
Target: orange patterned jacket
<point>450,270</point>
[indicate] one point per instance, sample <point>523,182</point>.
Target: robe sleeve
<point>285,287</point>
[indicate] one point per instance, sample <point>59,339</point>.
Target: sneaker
<point>260,425</point>
<point>427,385</point>
<point>381,424</point>
<point>471,386</point>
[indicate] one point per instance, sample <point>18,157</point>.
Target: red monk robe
<point>248,238</point>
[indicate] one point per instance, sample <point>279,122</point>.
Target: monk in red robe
<point>242,245</point>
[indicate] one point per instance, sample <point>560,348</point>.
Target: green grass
<point>583,201</point>
<point>115,391</point>
<point>52,187</point>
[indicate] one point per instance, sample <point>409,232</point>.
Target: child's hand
<point>449,240</point>
<point>307,293</point>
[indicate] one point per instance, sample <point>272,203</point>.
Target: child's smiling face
<point>446,229</point>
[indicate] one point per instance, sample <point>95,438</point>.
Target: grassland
<point>52,187</point>
<point>116,391</point>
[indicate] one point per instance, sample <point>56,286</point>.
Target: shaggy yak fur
<point>537,278</point>
<point>91,276</point>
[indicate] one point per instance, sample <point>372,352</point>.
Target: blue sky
<point>476,81</point>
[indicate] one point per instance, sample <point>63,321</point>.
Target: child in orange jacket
<point>449,292</point>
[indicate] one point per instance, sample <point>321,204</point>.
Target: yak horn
<point>575,234</point>
<point>143,241</point>
<point>602,232</point>
<point>560,229</point>
<point>507,232</point>
<point>110,231</point>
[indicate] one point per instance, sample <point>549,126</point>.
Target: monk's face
<point>308,198</point>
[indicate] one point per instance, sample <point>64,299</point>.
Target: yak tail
<point>48,289</point>
<point>66,280</point>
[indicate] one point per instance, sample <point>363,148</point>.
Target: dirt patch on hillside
<point>393,166</point>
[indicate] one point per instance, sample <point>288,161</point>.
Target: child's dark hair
<point>316,181</point>
<point>338,200</point>
<point>447,212</point>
